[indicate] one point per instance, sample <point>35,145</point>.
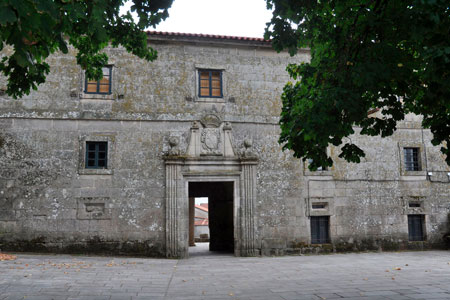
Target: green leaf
<point>364,55</point>
<point>62,44</point>
<point>7,15</point>
<point>48,25</point>
<point>22,58</point>
<point>47,7</point>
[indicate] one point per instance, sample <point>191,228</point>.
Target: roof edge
<point>207,37</point>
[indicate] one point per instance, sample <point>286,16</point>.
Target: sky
<point>201,200</point>
<point>231,17</point>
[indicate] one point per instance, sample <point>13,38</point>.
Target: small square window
<point>102,86</point>
<point>320,230</point>
<point>412,159</point>
<point>210,83</point>
<point>416,227</point>
<point>96,155</point>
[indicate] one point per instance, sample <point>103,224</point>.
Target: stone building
<point>201,223</point>
<point>110,166</point>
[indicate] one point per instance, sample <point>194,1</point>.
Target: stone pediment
<point>211,121</point>
<point>210,137</point>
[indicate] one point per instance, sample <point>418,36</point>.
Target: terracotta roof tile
<point>201,207</point>
<point>204,222</point>
<point>211,36</point>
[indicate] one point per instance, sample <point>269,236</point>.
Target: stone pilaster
<point>174,239</point>
<point>248,198</point>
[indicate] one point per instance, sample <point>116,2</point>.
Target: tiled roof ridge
<point>212,36</point>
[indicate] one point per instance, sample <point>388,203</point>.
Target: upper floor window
<point>411,157</point>
<point>102,86</point>
<point>210,83</point>
<point>96,155</point>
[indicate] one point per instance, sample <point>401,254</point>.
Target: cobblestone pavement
<point>405,275</point>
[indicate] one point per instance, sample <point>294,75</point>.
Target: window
<point>412,160</point>
<point>310,161</point>
<point>96,155</point>
<point>210,83</point>
<point>320,230</point>
<point>411,157</point>
<point>102,86</point>
<point>415,227</point>
<point>319,205</point>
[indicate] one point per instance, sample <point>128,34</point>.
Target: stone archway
<point>210,157</point>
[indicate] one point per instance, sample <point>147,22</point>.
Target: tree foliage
<point>392,55</point>
<point>37,28</point>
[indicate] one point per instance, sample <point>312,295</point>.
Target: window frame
<point>318,238</point>
<point>410,175</point>
<point>416,221</point>
<point>210,81</point>
<point>97,92</point>
<point>108,137</point>
<point>415,159</point>
<point>96,155</point>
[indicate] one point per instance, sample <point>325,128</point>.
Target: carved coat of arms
<point>210,139</point>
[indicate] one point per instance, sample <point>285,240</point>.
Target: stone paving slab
<point>395,276</point>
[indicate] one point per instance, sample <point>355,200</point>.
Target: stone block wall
<point>50,202</point>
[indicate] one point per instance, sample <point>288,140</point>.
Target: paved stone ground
<point>405,275</point>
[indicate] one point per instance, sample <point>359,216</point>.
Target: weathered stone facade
<point>166,144</point>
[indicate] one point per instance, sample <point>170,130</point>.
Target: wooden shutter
<point>210,83</point>
<point>102,86</point>
<point>216,84</point>
<point>91,86</point>
<point>204,83</point>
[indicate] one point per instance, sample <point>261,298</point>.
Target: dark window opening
<point>102,86</point>
<point>319,205</point>
<point>96,155</point>
<point>416,227</point>
<point>210,84</point>
<point>414,204</point>
<point>411,156</point>
<point>320,230</point>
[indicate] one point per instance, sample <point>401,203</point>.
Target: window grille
<point>102,86</point>
<point>415,227</point>
<point>411,156</point>
<point>96,155</point>
<point>320,230</point>
<point>210,83</point>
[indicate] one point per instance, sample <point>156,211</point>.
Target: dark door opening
<point>220,213</point>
